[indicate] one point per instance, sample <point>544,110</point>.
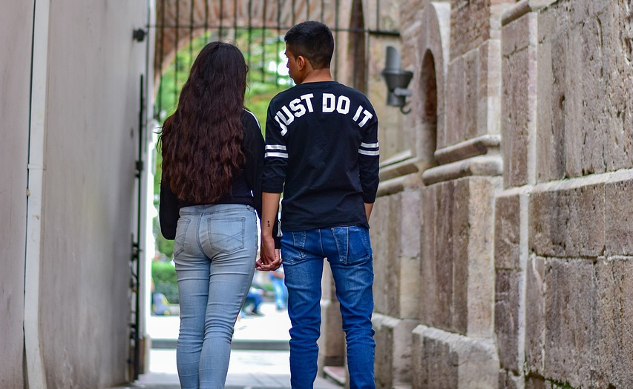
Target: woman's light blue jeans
<point>348,250</point>
<point>214,251</point>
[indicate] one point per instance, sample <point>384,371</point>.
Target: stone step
<point>336,374</point>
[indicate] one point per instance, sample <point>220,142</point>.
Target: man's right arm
<point>274,175</point>
<point>269,257</point>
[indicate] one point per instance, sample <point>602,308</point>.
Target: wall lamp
<point>397,80</point>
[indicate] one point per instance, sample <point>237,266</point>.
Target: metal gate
<point>257,27</point>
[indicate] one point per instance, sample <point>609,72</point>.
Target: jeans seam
<point>198,233</point>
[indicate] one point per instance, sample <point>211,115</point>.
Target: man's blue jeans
<point>348,250</point>
<point>214,251</point>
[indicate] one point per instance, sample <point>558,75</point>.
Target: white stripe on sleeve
<point>276,155</point>
<point>370,153</point>
<point>275,147</point>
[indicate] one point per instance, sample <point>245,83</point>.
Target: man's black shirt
<point>322,153</point>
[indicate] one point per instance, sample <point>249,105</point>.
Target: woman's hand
<point>269,257</point>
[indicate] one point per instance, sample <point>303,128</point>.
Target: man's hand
<point>269,258</point>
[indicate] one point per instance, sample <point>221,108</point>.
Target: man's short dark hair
<point>313,41</point>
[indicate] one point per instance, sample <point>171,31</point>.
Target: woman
<point>213,154</point>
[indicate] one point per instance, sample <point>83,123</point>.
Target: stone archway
<point>180,21</point>
<point>430,83</point>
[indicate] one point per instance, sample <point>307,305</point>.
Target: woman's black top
<point>246,187</point>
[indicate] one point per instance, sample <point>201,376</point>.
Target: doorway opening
<point>181,29</point>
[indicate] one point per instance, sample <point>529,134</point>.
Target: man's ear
<point>302,62</point>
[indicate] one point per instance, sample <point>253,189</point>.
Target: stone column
<point>454,347</point>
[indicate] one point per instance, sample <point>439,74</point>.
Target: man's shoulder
<point>352,92</point>
<point>283,96</point>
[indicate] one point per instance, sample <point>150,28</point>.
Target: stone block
<point>507,380</point>
<point>391,278</point>
<point>410,224</point>
<point>380,225</point>
<point>489,88</point>
<point>550,136</point>
<point>455,242</point>
<point>456,103</point>
<point>518,105</point>
<point>435,365</point>
<point>616,28</point>
<point>437,261</point>
<point>507,231</point>
<point>585,123</point>
<point>570,322</point>
<point>470,25</point>
<point>535,311</point>
<point>472,91</point>
<point>614,335</point>
<point>584,126</point>
<point>332,340</point>
<point>473,95</point>
<point>568,221</point>
<point>396,234</point>
<point>393,358</point>
<point>429,302</point>
<point>508,306</point>
<point>481,277</point>
<point>446,360</point>
<point>457,267</point>
<point>409,288</point>
<point>519,35</point>
<point>619,217</point>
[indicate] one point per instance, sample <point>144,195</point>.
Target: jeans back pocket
<point>225,234</point>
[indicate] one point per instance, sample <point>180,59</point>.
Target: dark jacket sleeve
<point>253,148</point>
<point>369,160</point>
<point>169,210</point>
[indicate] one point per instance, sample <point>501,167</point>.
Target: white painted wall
<point>16,21</point>
<point>89,190</point>
<point>73,236</point>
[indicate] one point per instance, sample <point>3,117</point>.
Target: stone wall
<point>523,151</point>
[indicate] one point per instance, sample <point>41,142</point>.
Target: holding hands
<point>270,258</point>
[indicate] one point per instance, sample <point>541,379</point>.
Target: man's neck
<point>318,75</point>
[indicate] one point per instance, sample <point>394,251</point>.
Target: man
<point>322,153</point>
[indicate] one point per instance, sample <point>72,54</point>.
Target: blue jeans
<point>214,251</point>
<point>348,250</point>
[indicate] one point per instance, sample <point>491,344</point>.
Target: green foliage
<point>164,271</point>
<point>164,246</point>
<point>165,280</point>
<point>257,98</point>
<point>263,52</point>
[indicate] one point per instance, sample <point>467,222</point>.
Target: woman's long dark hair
<point>201,142</point>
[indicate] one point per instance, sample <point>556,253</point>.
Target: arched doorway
<point>183,27</point>
<point>428,88</point>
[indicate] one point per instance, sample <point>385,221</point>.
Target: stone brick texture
<point>456,268</point>
<point>545,266</point>
<point>585,84</point>
<point>470,25</point>
<point>518,102</point>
